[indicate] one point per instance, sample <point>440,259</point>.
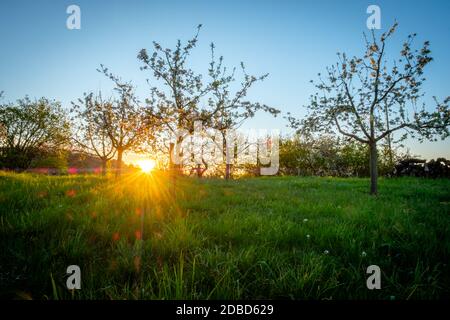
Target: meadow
<point>146,237</point>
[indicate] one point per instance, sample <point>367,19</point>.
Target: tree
<point>53,162</point>
<point>91,134</point>
<point>125,120</point>
<point>178,107</point>
<point>330,156</point>
<point>295,155</point>
<point>30,129</point>
<point>367,99</point>
<point>228,110</point>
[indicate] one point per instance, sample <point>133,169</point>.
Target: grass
<point>274,237</point>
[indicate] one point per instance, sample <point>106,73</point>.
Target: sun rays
<point>146,165</point>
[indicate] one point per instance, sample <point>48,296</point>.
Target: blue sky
<point>290,40</point>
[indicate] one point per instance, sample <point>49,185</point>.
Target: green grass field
<point>274,237</point>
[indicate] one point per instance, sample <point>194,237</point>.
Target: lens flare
<point>146,165</point>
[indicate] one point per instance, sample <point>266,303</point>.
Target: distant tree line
<point>351,128</point>
<point>31,131</point>
<point>41,133</point>
<point>339,157</point>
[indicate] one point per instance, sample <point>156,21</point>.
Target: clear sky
<point>290,40</point>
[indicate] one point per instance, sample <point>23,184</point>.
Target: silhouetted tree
<point>179,106</point>
<point>227,109</point>
<point>126,122</point>
<point>91,135</point>
<point>29,129</point>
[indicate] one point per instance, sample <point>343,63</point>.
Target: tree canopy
<point>368,99</point>
<point>30,128</point>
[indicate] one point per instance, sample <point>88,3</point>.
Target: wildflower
<point>116,236</point>
<point>305,220</point>
<point>326,252</point>
<point>308,236</point>
<point>138,235</point>
<point>363,254</point>
<point>71,193</point>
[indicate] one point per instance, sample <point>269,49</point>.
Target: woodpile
<point>439,168</point>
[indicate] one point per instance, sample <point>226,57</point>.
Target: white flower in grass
<point>363,254</point>
<point>308,236</point>
<point>305,220</point>
<point>326,252</point>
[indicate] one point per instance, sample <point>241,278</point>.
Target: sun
<point>146,165</point>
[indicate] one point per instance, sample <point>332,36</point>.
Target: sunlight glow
<point>146,165</point>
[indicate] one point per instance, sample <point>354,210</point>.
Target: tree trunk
<point>228,171</point>
<point>174,168</point>
<point>172,173</point>
<point>373,168</point>
<point>227,157</point>
<point>175,158</point>
<point>171,162</point>
<point>104,162</point>
<point>119,162</point>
